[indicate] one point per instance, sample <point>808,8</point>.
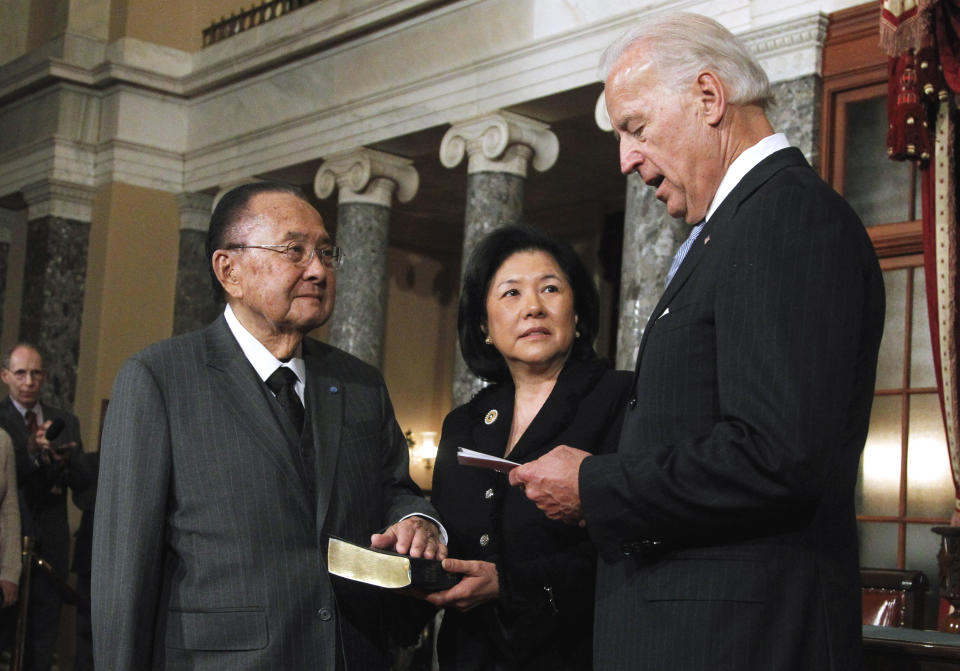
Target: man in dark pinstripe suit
<point>725,521</point>
<point>229,457</point>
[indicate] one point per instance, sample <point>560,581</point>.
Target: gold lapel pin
<point>491,417</point>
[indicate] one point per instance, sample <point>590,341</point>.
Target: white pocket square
<point>664,313</point>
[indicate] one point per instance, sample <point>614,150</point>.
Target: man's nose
<point>315,268</point>
<point>630,159</point>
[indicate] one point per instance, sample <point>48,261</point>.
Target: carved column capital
<point>500,142</point>
<point>367,176</point>
<point>56,198</point>
<point>195,210</point>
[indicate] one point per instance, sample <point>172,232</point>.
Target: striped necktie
<point>682,252</point>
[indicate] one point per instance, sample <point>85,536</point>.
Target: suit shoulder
<point>479,404</point>
<point>166,356</point>
<point>342,363</point>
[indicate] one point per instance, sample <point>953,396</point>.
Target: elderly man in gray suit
<point>229,457</point>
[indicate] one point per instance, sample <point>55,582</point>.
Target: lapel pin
<point>491,417</point>
<point>334,389</point>
<point>706,240</point>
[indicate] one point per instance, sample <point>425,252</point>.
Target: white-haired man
<point>725,521</point>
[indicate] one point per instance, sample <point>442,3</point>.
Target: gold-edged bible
<point>386,569</point>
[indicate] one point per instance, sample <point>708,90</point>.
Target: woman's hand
<point>480,583</point>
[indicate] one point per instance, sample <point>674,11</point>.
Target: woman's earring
<point>577,335</point>
<point>487,341</point>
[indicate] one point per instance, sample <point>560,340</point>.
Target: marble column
<point>651,237</point>
<point>367,181</point>
<point>499,147</point>
<point>55,269</point>
<point>8,219</point>
<point>195,303</point>
<point>797,114</point>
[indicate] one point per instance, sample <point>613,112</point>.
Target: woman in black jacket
<point>527,319</point>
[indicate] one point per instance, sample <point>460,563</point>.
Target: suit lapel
<point>494,414</point>
<point>719,226</point>
<point>326,396</point>
<point>242,394</point>
<point>575,381</point>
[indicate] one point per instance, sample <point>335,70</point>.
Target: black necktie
<point>282,383</point>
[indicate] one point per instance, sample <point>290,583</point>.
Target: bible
<point>386,569</point>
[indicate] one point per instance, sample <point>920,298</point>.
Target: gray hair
<point>682,45</point>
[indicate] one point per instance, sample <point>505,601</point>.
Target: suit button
<point>488,494</point>
<point>324,614</point>
<point>484,540</point>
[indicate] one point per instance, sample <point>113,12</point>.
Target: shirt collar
<point>260,357</point>
<point>743,164</point>
<point>22,409</point>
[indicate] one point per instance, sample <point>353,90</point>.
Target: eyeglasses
<point>22,375</point>
<point>300,255</point>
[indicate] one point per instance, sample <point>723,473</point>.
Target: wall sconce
<point>427,452</point>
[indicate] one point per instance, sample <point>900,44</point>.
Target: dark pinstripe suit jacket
<point>208,550</point>
<point>726,519</point>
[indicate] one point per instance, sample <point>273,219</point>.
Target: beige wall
<point>180,25</point>
<point>420,344</point>
<point>13,293</point>
<point>129,296</point>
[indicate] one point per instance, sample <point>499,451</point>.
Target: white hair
<point>682,45</point>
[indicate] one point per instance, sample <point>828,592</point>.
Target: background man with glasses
<point>44,471</point>
<point>231,455</point>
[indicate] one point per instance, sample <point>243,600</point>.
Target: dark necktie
<point>31,418</point>
<point>282,383</point>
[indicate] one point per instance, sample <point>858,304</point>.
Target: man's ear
<point>226,271</point>
<point>711,97</point>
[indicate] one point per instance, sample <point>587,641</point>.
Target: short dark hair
<point>230,210</point>
<point>486,258</point>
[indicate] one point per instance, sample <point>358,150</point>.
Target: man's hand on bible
<point>415,536</point>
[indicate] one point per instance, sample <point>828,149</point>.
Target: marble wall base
<point>358,320</point>
<point>494,199</point>
<point>194,303</point>
<point>53,286</point>
<point>651,237</point>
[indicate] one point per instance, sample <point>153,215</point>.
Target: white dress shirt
<point>265,363</point>
<point>260,357</point>
<point>743,164</point>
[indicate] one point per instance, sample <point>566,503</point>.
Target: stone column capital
<point>56,198</point>
<point>195,210</point>
<point>601,116</point>
<point>500,142</point>
<point>367,176</point>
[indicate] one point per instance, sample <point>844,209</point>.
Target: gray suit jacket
<point>208,548</point>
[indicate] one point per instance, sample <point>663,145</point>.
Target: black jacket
<point>543,618</point>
